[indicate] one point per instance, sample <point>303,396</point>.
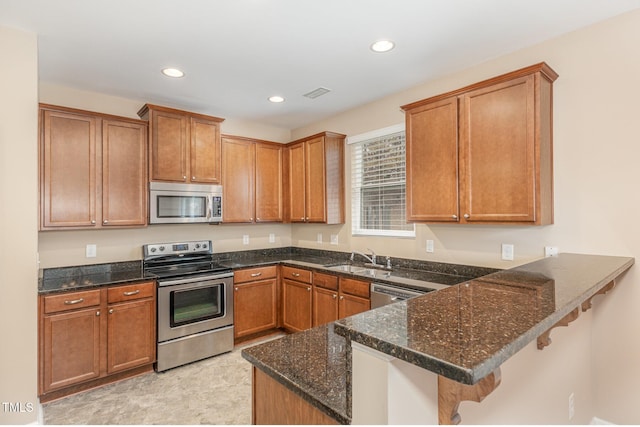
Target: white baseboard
<point>599,421</point>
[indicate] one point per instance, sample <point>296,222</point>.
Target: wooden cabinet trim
<point>118,294</point>
<point>297,274</point>
<point>71,301</point>
<point>252,274</point>
<point>354,287</point>
<point>326,281</point>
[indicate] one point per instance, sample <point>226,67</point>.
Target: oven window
<point>195,305</point>
<point>182,206</point>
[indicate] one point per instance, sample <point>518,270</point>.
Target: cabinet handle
<point>302,219</point>
<point>128,294</point>
<point>454,216</point>
<point>193,177</point>
<point>111,311</point>
<point>105,222</point>
<point>75,301</point>
<point>256,274</point>
<point>98,313</point>
<point>334,296</point>
<point>93,221</point>
<point>257,219</point>
<point>306,219</point>
<point>295,274</point>
<point>341,297</point>
<point>236,288</point>
<point>309,289</point>
<point>467,216</point>
<point>184,177</point>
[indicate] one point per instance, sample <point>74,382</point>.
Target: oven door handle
<point>182,281</point>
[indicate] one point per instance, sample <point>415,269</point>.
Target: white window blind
<point>378,184</point>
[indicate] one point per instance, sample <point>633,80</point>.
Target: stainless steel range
<point>195,302</point>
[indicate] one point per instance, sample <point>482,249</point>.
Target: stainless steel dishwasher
<point>383,294</point>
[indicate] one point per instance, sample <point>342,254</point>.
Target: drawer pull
<point>128,294</point>
<point>74,301</point>
<point>256,274</point>
<point>295,274</point>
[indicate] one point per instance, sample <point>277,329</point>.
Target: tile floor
<point>212,391</point>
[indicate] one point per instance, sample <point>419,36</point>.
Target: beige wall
<point>18,226</point>
<point>596,156</point>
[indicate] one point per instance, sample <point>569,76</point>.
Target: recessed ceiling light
<point>276,99</point>
<point>382,46</point>
<point>172,72</point>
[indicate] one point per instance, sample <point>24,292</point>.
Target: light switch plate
<point>91,251</point>
<point>245,239</point>
<point>319,238</point>
<point>507,252</point>
<point>272,238</point>
<point>334,239</point>
<point>430,246</point>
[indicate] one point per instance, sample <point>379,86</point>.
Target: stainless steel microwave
<point>176,203</point>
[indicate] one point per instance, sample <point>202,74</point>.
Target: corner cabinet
<point>184,146</point>
<point>483,153</point>
<point>251,180</point>
<point>314,179</point>
<point>90,338</point>
<point>93,170</point>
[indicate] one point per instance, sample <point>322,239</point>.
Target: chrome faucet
<point>371,259</point>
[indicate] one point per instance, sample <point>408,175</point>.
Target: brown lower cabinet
<point>255,300</point>
<point>335,298</point>
<point>274,404</point>
<point>90,338</point>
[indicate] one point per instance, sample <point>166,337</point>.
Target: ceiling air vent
<point>317,92</point>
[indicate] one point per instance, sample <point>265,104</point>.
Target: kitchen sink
<point>359,270</point>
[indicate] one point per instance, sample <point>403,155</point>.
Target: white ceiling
<point>236,53</point>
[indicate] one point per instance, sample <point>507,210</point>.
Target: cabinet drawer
<point>251,274</point>
<point>354,287</point>
<point>296,274</point>
<point>71,301</point>
<point>325,281</point>
<point>131,292</point>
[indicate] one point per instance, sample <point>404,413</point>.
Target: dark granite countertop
<point>466,331</point>
<point>407,273</point>
<point>85,277</point>
<point>313,364</point>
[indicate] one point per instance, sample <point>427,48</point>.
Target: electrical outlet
<point>507,252</point>
<point>550,251</point>
<point>572,408</point>
<point>272,238</point>
<point>245,239</point>
<point>319,238</point>
<point>91,251</point>
<point>334,239</point>
<point>430,246</point>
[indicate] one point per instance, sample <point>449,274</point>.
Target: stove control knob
<point>197,245</point>
<point>161,248</point>
<point>153,250</point>
<point>204,246</point>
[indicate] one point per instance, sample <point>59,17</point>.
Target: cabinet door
<point>432,162</point>
<point>315,188</point>
<point>131,337</point>
<point>169,147</point>
<point>205,157</point>
<point>68,164</point>
<point>268,181</point>
<point>124,173</point>
<point>497,152</point>
<point>254,307</point>
<point>350,305</point>
<point>325,306</point>
<point>296,302</point>
<point>238,165</point>
<point>296,180</point>
<point>70,348</point>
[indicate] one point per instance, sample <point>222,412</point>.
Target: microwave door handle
<point>209,208</point>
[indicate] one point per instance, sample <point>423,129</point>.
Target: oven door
<point>190,306</point>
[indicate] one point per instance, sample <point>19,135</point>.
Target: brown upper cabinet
<point>93,170</point>
<point>314,179</point>
<point>251,180</point>
<point>483,153</point>
<point>184,146</point>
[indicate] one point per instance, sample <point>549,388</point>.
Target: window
<point>378,183</point>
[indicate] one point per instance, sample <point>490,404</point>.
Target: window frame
<point>356,229</point>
